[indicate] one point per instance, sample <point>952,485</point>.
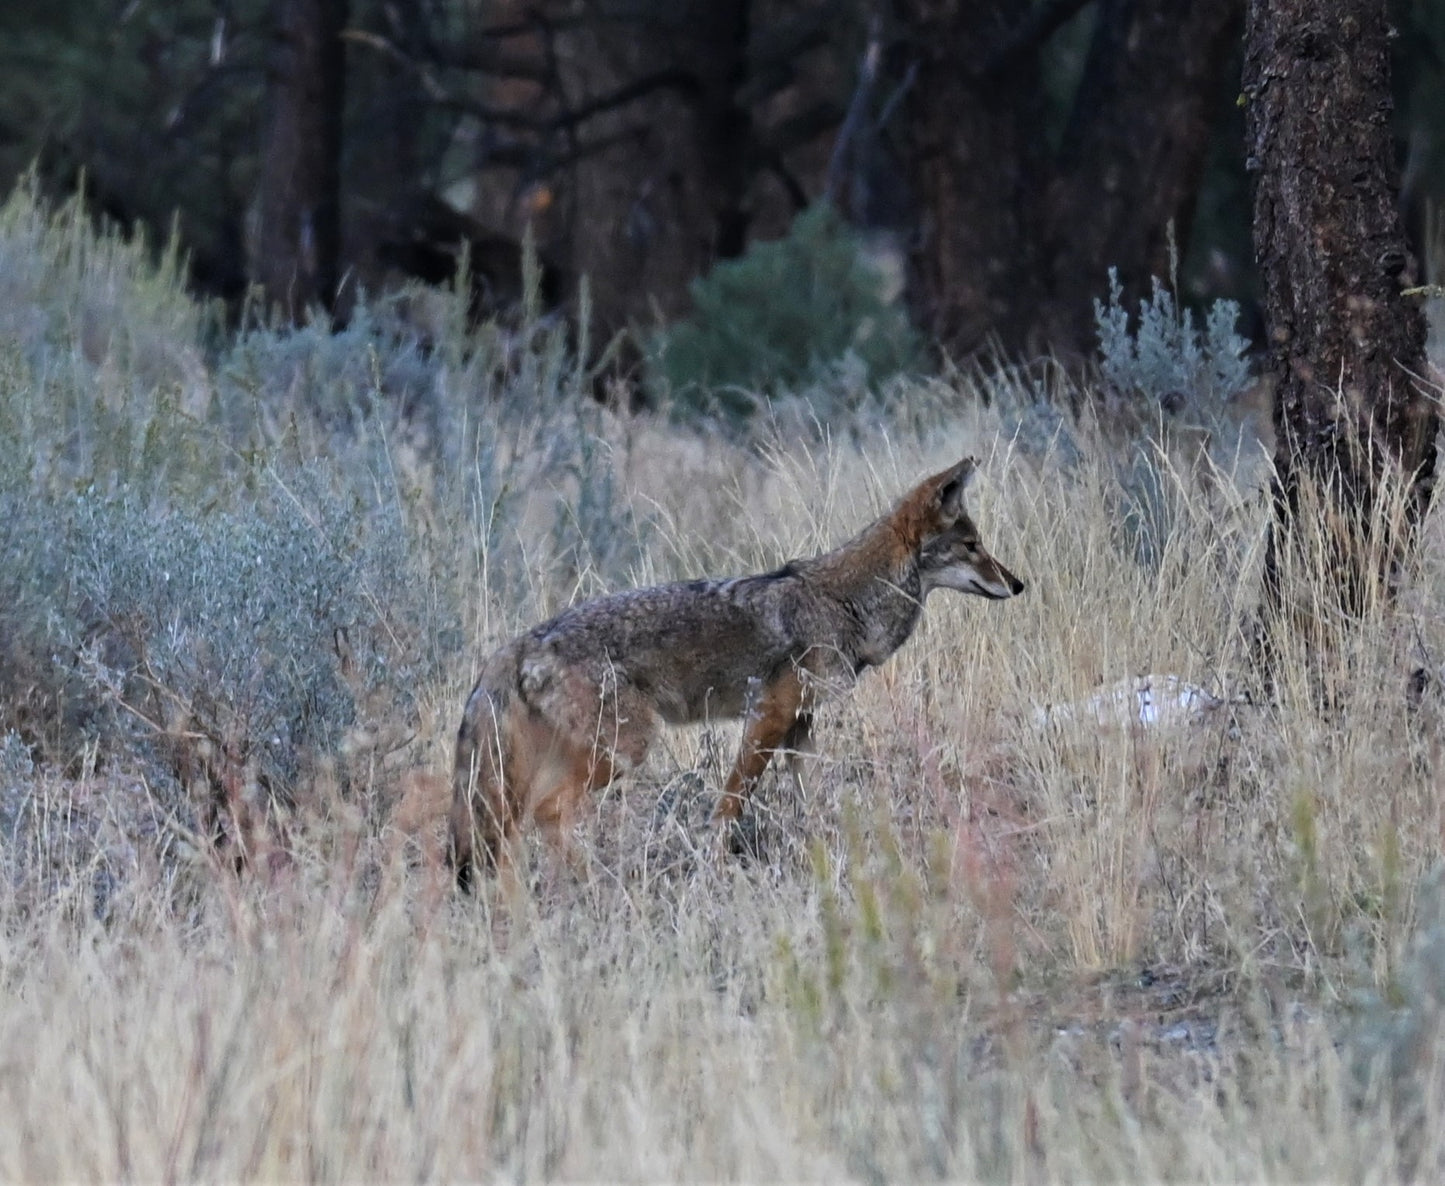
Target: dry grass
<point>983,947</point>
<point>1012,932</point>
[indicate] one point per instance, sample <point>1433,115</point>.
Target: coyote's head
<point>950,553</point>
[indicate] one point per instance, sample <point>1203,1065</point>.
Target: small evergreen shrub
<point>779,318</point>
<point>339,375</point>
<point>245,642</point>
<point>1165,371</point>
<point>1177,367</point>
<point>89,307</point>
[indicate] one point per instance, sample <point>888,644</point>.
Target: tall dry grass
<point>982,948</point>
<point>1010,933</point>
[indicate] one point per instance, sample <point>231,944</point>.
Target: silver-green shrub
<point>1166,372</point>
<point>259,627</point>
<point>1166,359</point>
<point>374,364</point>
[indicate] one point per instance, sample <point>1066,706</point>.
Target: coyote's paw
<point>741,837</point>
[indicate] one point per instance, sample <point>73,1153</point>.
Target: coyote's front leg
<point>779,718</point>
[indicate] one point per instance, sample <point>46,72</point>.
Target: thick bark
<point>1344,343</point>
<point>973,160</point>
<point>1134,152</point>
<point>295,243</point>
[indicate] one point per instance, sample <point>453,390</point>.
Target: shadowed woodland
<point>1000,157</point>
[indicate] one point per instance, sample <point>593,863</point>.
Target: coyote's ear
<point>952,485</point>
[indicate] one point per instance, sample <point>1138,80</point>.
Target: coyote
<point>563,709</point>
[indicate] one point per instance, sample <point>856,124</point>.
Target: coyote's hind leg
<point>483,827</point>
<point>576,771</point>
<point>484,817</point>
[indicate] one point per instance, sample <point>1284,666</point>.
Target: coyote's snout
<point>562,710</point>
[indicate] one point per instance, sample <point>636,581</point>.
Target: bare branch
<point>683,82</point>
<point>797,195</point>
<point>807,125</point>
<point>487,60</point>
<point>1042,21</point>
<point>857,112</point>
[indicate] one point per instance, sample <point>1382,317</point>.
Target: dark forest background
<point>1000,157</point>
<point>995,158</point>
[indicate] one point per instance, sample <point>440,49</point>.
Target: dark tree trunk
<point>1134,152</point>
<point>719,34</point>
<point>1344,343</point>
<point>297,232</point>
<point>1016,247</point>
<point>973,158</point>
<point>674,190</point>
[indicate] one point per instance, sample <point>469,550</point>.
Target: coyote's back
<point>563,709</point>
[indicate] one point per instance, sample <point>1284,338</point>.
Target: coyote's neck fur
<point>878,589</point>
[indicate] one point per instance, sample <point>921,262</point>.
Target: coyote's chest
<point>886,613</point>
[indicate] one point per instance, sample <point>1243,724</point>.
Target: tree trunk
<point>973,158</point>
<point>718,40</point>
<point>1017,246</point>
<point>1344,344</point>
<point>296,239</point>
<point>1133,153</point>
